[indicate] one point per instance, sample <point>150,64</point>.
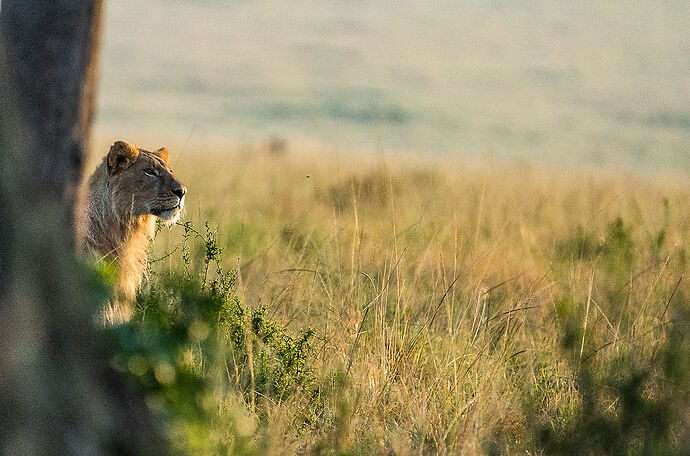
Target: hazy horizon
<point>589,82</point>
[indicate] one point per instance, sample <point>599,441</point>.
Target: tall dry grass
<point>459,308</point>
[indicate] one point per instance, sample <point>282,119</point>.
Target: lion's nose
<point>180,191</point>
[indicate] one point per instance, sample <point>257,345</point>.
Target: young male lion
<point>124,196</point>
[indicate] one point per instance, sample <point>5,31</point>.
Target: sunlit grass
<point>456,308</point>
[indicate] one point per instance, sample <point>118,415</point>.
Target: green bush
<point>191,341</point>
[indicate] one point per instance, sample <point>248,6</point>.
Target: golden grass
<point>436,285</point>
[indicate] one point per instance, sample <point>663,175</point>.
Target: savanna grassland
<point>340,305</point>
<point>327,303</point>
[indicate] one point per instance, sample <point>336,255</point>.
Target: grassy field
<point>345,306</point>
<point>496,296</point>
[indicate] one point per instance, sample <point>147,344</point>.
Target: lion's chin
<point>169,216</point>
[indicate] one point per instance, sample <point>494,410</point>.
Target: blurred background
<point>559,82</point>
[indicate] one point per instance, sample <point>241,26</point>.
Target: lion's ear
<point>121,156</point>
<point>163,153</point>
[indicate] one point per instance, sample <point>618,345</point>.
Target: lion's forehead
<point>153,159</point>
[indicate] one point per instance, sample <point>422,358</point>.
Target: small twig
<point>498,285</point>
<point>402,354</point>
<point>584,329</point>
<point>167,254</point>
<point>361,323</point>
<point>673,293</point>
<point>507,312</point>
<point>515,354</point>
<point>597,350</point>
<point>296,270</point>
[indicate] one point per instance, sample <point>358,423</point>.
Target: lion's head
<point>142,183</point>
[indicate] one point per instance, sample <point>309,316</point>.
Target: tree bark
<point>51,52</point>
<point>58,393</point>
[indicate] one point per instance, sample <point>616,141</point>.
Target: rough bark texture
<point>51,50</point>
<point>58,394</point>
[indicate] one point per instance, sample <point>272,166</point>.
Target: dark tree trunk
<point>58,393</point>
<point>51,49</point>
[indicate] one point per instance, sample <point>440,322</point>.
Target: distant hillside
<point>578,82</point>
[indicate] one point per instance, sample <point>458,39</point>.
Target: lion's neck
<point>121,237</point>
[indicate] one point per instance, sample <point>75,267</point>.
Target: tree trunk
<point>51,50</point>
<point>58,393</point>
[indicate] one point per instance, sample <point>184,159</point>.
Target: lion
<point>124,196</point>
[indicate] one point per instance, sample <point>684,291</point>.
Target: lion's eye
<point>150,172</point>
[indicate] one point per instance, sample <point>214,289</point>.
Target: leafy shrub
<point>191,340</point>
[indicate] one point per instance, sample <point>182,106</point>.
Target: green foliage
<point>282,361</point>
<point>582,246</point>
<point>658,241</point>
<point>633,404</point>
<point>570,320</point>
<point>627,389</point>
<point>192,338</point>
<point>616,249</point>
<point>614,257</point>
